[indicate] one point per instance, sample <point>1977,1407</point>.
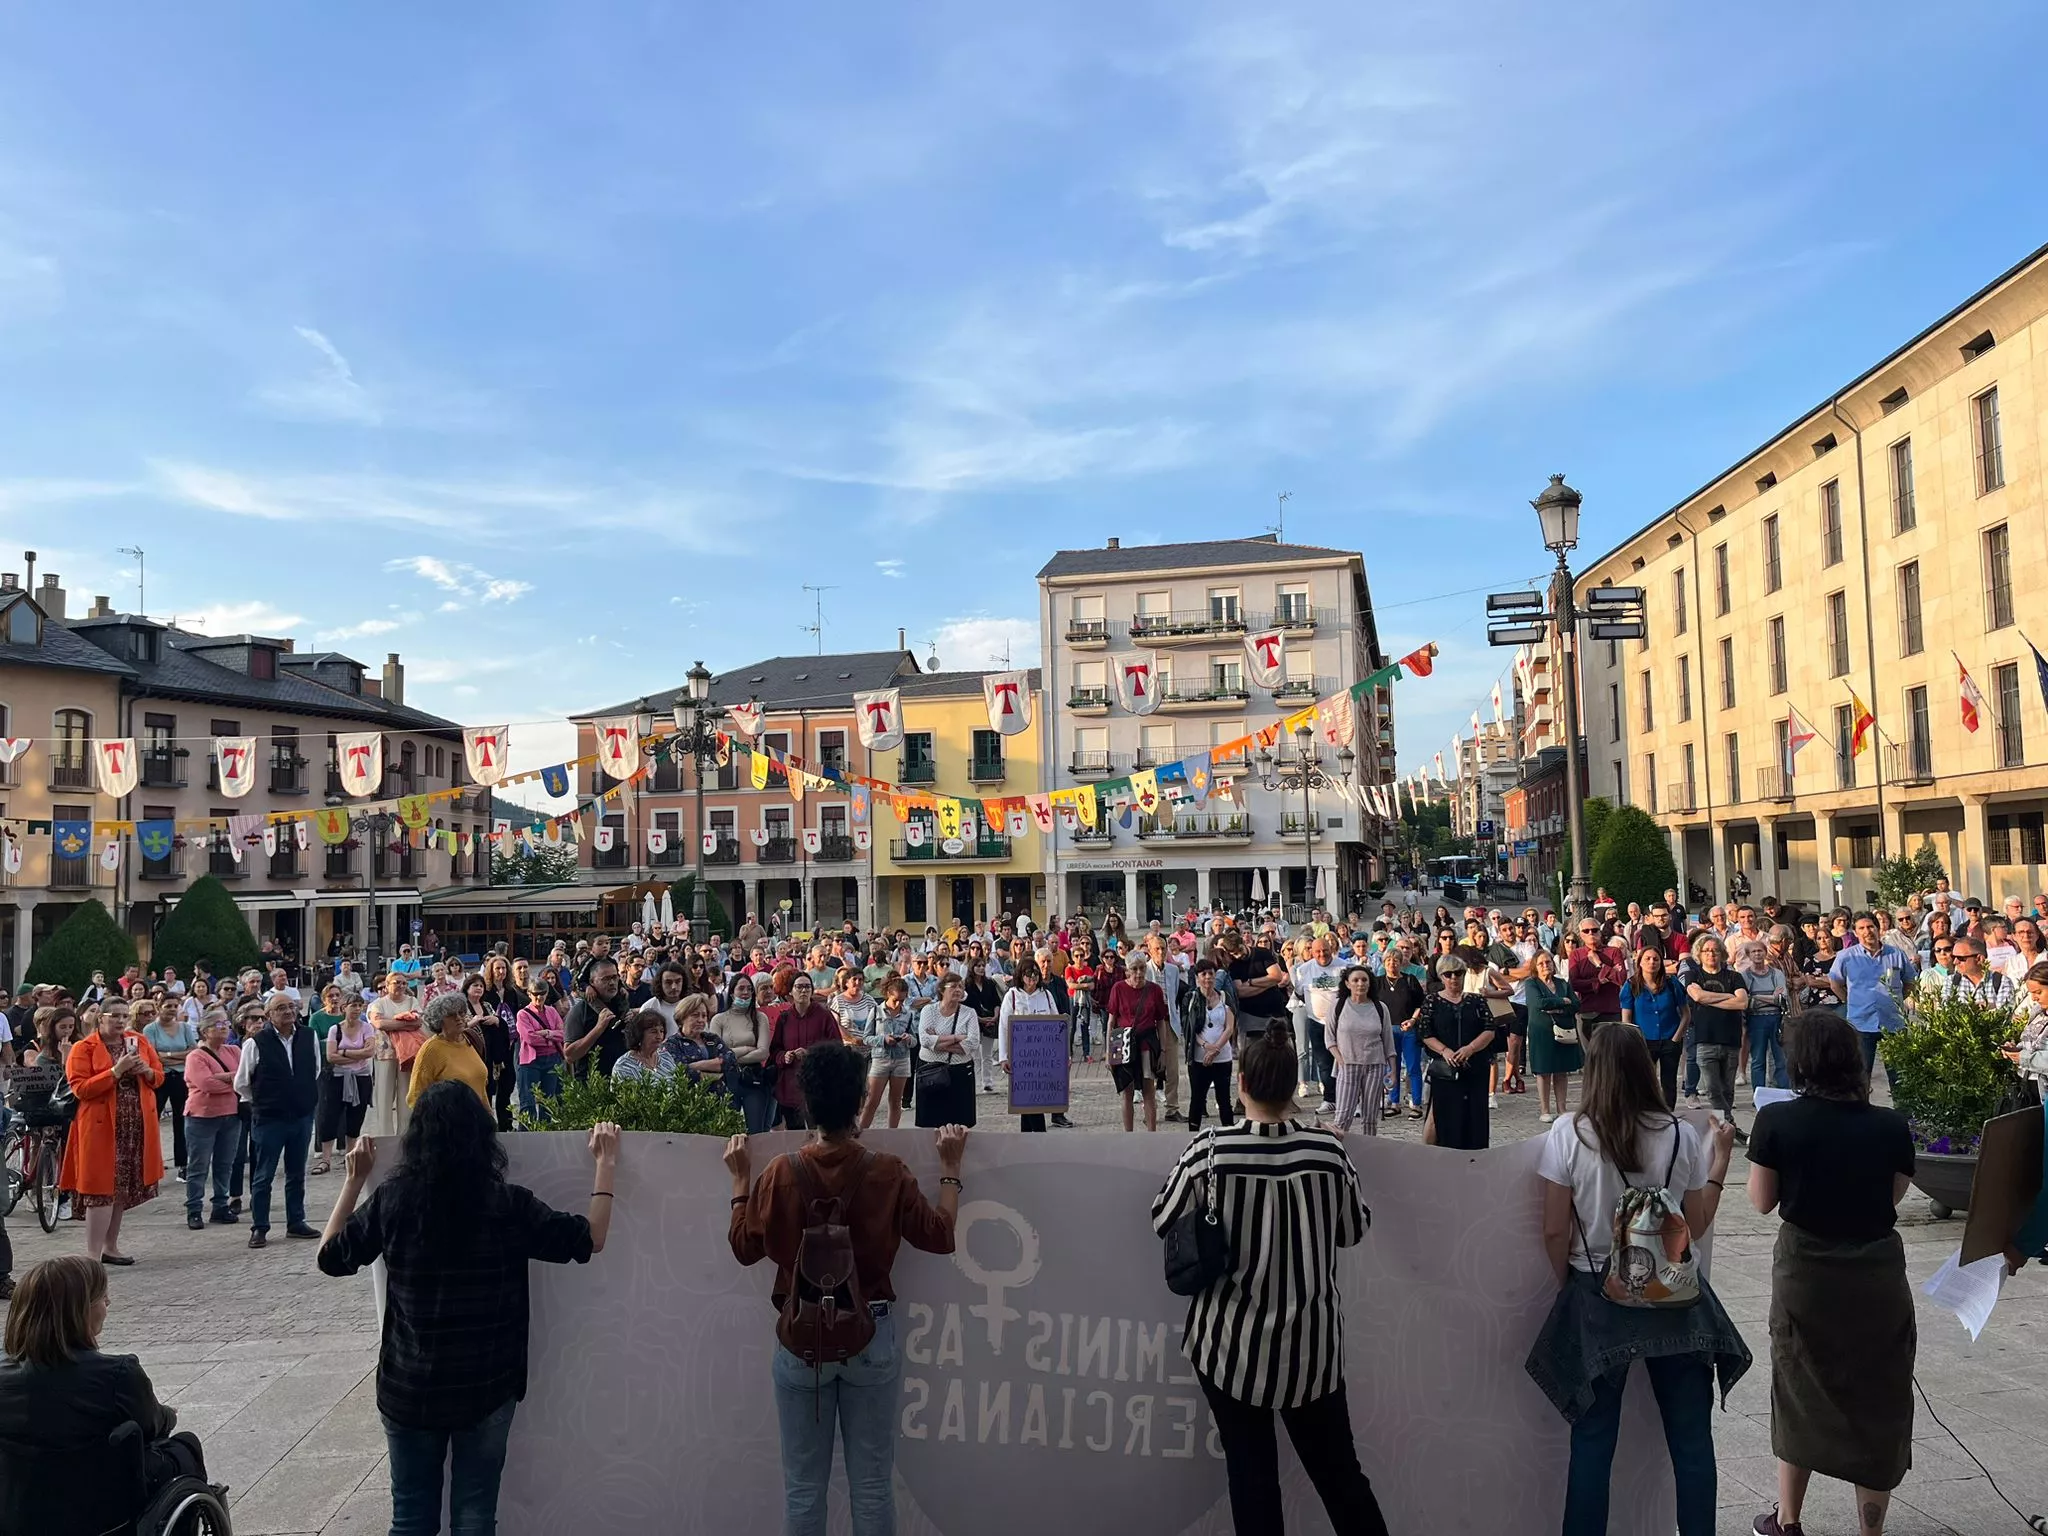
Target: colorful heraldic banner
<point>1035,1397</point>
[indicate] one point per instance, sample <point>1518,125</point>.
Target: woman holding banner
<point>1026,999</point>
<point>945,1057</point>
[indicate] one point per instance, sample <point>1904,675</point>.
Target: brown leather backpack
<point>825,1319</point>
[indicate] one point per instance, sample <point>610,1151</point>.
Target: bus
<point>1454,872</point>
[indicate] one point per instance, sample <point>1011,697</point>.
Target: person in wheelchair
<point>85,1446</point>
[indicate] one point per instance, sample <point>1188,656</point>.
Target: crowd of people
<point>1266,1041</point>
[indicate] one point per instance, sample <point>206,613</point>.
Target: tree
<point>88,940</point>
<point>540,865</point>
<point>1898,878</point>
<point>206,925</point>
<point>714,909</point>
<point>1595,812</point>
<point>1633,861</point>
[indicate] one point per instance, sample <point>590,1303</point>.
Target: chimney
<point>394,679</point>
<point>10,581</point>
<point>50,597</point>
<point>101,608</point>
<point>899,639</point>
<point>372,687</point>
<point>1115,542</point>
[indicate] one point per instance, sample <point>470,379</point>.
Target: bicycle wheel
<point>16,1179</point>
<point>46,1183</point>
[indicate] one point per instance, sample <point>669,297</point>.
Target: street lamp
<point>1305,771</point>
<point>373,825</point>
<point>1557,510</point>
<point>697,720</point>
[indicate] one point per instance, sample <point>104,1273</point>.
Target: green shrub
<point>679,1105</point>
<point>1946,1073</point>
<point>88,940</point>
<point>205,925</point>
<point>714,909</point>
<point>1633,860</point>
<point>1898,878</point>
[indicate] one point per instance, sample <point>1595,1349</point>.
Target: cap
<point>1450,965</point>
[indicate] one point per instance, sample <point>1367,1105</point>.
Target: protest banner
<point>1039,1062</point>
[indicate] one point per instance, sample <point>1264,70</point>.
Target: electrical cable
<point>2036,1523</point>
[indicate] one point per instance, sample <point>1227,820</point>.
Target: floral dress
<point>130,1190</point>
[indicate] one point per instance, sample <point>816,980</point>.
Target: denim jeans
<point>211,1142</point>
<point>1692,1063</point>
<point>1868,1040</point>
<point>1084,1024</point>
<point>269,1140</point>
<point>1665,1053</point>
<point>1316,1063</point>
<point>854,1402</point>
<point>1767,1050</point>
<point>543,1076</point>
<point>1684,1385</point>
<point>417,1458</point>
<point>1719,1065</point>
<point>1408,1042</point>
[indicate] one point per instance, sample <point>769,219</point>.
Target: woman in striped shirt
<point>1268,1337</point>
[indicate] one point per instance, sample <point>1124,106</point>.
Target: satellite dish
<point>931,662</point>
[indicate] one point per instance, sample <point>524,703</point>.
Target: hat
<point>1450,965</point>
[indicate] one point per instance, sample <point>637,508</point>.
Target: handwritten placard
<point>1038,1066</point>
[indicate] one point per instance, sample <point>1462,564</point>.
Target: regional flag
<point>1972,700</point>
<point>1859,731</point>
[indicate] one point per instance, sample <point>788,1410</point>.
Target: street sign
<point>1613,597</point>
<point>1512,602</point>
<point>1486,829</point>
<point>1517,634</point>
<point>1629,629</point>
<point>1170,890</point>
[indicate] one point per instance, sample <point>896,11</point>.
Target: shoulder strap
<point>1677,1141</point>
<point>806,1181</point>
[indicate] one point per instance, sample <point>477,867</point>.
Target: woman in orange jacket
<point>113,1158</point>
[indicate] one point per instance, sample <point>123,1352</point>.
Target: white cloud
<point>439,572</point>
<point>361,631</point>
<point>330,393</point>
<point>256,618</point>
<point>500,589</point>
<point>979,643</point>
<point>466,581</point>
<point>890,567</point>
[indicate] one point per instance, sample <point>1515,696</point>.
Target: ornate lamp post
<point>1308,771</point>
<point>697,734</point>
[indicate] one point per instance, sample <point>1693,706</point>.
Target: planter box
<point>1945,1179</point>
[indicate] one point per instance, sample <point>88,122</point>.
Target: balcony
<point>169,867</point>
<point>1197,828</point>
<point>1299,620</point>
<point>1088,635</point>
<point>1294,827</point>
<point>284,864</point>
<point>340,863</point>
<point>65,775</point>
<point>726,850</point>
<point>986,770</point>
<point>222,863</point>
<point>777,850</point>
<point>1090,836</point>
<point>613,857</point>
<point>670,857</point>
<point>1088,701</point>
<point>1225,698</point>
<point>163,767</point>
<point>287,774</point>
<point>1092,765</point>
<point>1296,688</point>
<point>1186,626</point>
<point>835,848</point>
<point>984,850</point>
<point>917,770</point>
<point>1911,763</point>
<point>1680,799</point>
<point>70,874</point>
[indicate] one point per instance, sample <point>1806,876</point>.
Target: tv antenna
<point>816,628</point>
<point>1279,527</point>
<point>134,552</point>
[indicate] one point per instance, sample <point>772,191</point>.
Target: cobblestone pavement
<point>287,1412</point>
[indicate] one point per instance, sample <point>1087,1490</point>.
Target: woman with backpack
<point>832,1208</point>
<point>1626,1168</point>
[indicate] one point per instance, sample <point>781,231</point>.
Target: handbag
<point>1197,1252</point>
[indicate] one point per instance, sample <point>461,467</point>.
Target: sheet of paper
<point>1969,1290</point>
<point>1768,1096</point>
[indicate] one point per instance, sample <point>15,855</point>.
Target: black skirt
<point>951,1105</point>
<point>1843,1340</point>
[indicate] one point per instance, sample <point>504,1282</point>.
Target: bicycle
<point>35,1154</point>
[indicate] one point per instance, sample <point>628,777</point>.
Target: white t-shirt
<point>1596,1184</point>
<point>1212,1033</point>
<point>1317,986</point>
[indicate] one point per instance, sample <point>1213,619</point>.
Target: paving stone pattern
<point>286,1406</point>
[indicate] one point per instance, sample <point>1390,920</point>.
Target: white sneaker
<point>1493,1101</point>
<point>1545,1118</point>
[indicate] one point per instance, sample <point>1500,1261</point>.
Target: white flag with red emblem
<point>879,716</point>
<point>119,772</point>
<point>657,839</point>
<point>485,746</point>
<point>813,841</point>
<point>1266,658</point>
<point>863,838</point>
<point>603,840</point>
<point>1137,682</point>
<point>710,840</point>
<point>747,717</point>
<point>360,758</point>
<point>234,762</point>
<point>1008,695</point>
<point>618,746</point>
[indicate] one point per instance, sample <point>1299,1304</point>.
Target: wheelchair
<point>102,1490</point>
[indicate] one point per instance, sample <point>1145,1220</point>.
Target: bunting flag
<point>331,825</point>
<point>798,782</point>
<point>70,839</point>
<point>555,781</point>
<point>119,771</point>
<point>11,747</point>
<point>1196,774</point>
<point>244,832</point>
<point>618,745</point>
<point>710,840</point>
<point>1039,808</point>
<point>757,769</point>
<point>487,748</point>
<point>110,854</point>
<point>814,839</point>
<point>1173,781</point>
<point>234,764</point>
<point>1972,700</point>
<point>879,718</point>
<point>1440,769</point>
<point>1859,729</point>
<point>156,839</point>
<point>602,841</point>
<point>270,839</point>
<point>913,832</point>
<point>857,805</point>
<point>1498,717</point>
<point>1008,696</point>
<point>1266,658</point>
<point>1017,823</point>
<point>949,817</point>
<point>758,836</point>
<point>412,811</point>
<point>1087,808</point>
<point>657,839</point>
<point>1797,734</point>
<point>1137,678</point>
<point>301,837</point>
<point>747,717</point>
<point>1420,661</point>
<point>1145,790</point>
<point>1339,721</point>
<point>863,838</point>
<point>360,757</point>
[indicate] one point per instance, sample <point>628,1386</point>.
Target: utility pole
<point>816,628</point>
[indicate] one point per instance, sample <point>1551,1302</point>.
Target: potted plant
<point>1947,1079</point>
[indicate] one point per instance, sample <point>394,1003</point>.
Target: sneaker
<point>1062,1122</point>
<point>235,1205</point>
<point>196,1222</point>
<point>1173,1117</point>
<point>1768,1524</point>
<point>300,1229</point>
<point>1493,1101</point>
<point>258,1240</point>
<point>64,1209</point>
<point>224,1218</point>
<point>1741,1136</point>
<point>1545,1118</point>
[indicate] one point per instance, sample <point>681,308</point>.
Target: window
<point>1978,345</point>
<point>1091,749</point>
<point>1912,635</point>
<point>1155,745</point>
<point>1919,735</point>
<point>262,663</point>
<point>24,626</point>
<point>1684,689</point>
<point>1997,577</point>
<point>220,855</point>
<point>1905,511</point>
<point>1831,523</point>
<point>778,743</point>
<point>1727,672</point>
<point>1155,605</point>
<point>217,729</point>
<point>832,751</point>
<point>2005,694</point>
<point>1300,663</point>
<point>1221,731</point>
<point>1838,634</point>
<point>71,873</point>
<point>1894,400</point>
<point>2016,839</point>
<point>1721,594</point>
<point>1845,757</point>
<point>1089,621</point>
<point>1781,743</point>
<point>1732,744</point>
<point>159,746</point>
<point>1774,640</point>
<point>724,827</point>
<point>333,767</point>
<point>1226,674</point>
<point>70,759</point>
<point>1614,713</point>
<point>1649,709</point>
<point>672,852</point>
<point>1223,605</point>
<point>1990,443</point>
<point>1774,571</point>
<point>1862,847</point>
<point>985,754</point>
<point>1091,683</point>
<point>1691,785</point>
<point>1650,780</point>
<point>285,762</point>
<point>1678,613</point>
<point>1290,606</point>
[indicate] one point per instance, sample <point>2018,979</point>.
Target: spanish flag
<point>1859,732</point>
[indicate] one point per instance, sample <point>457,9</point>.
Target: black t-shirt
<point>1262,1007</point>
<point>1716,1026</point>
<point>610,1046</point>
<point>1835,1162</point>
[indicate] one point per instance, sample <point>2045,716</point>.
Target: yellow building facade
<point>949,749</point>
<point>1889,538</point>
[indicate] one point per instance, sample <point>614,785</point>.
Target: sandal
<point>320,1165</point>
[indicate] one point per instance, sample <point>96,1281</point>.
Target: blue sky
<point>556,346</point>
